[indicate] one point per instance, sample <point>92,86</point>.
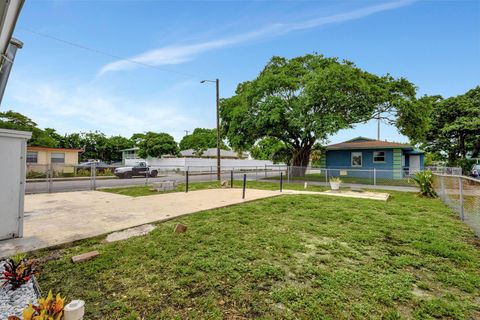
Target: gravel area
<point>13,302</point>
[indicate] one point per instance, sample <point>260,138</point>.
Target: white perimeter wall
<point>200,164</point>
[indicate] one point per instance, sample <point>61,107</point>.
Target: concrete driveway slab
<point>57,218</point>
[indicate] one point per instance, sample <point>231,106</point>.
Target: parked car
<point>100,166</point>
<point>89,164</point>
<point>139,170</point>
<point>475,172</point>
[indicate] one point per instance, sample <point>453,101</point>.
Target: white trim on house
<point>354,154</point>
<point>384,156</point>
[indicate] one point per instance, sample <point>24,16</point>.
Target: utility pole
<point>217,88</point>
<point>217,83</point>
<point>186,132</point>
<point>378,127</point>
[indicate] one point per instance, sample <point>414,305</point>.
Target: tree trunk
<point>300,161</point>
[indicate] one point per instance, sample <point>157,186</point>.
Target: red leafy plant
<point>18,271</point>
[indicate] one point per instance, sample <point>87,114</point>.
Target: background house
<point>40,159</point>
<point>359,156</point>
<point>132,154</point>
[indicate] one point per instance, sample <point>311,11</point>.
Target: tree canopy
<point>95,145</point>
<point>200,140</point>
<point>270,148</point>
<point>17,121</point>
<point>303,100</point>
<point>156,145</point>
<point>451,128</point>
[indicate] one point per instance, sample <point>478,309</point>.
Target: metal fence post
<point>244,185</point>
<point>50,178</point>
<point>231,179</point>
<point>265,171</point>
<point>94,176</point>
<point>460,187</point>
<point>281,181</point>
<point>288,174</point>
<point>326,176</point>
<point>147,174</point>
<point>186,181</point>
<point>374,176</point>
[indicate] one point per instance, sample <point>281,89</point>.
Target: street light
<point>217,84</point>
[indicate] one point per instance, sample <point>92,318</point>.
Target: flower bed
<point>12,302</point>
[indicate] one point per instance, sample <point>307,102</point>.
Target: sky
<point>75,72</point>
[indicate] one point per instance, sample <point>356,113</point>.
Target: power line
<point>83,47</point>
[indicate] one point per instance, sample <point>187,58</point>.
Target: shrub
<point>424,180</point>
<point>83,172</point>
<point>68,174</point>
<point>335,179</point>
<point>18,271</point>
<point>35,174</point>
<point>106,172</point>
<point>48,308</point>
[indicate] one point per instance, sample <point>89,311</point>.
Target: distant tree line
<point>97,145</point>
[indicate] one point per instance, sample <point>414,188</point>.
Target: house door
<point>414,164</point>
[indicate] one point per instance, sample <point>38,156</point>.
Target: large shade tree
<point>301,101</point>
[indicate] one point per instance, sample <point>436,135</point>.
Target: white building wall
<point>200,164</point>
<point>12,183</point>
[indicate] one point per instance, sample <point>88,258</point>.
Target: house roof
<point>366,143</point>
<point>36,148</point>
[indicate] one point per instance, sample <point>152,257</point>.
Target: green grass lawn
<point>406,182</point>
<point>137,191</point>
<point>290,257</point>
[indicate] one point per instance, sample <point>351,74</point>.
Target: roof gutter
<point>364,148</point>
<point>10,10</point>
<point>9,13</point>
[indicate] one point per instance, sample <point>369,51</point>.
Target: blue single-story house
<point>358,157</point>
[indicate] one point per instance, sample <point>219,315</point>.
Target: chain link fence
<point>462,194</point>
<point>61,177</point>
<point>356,178</point>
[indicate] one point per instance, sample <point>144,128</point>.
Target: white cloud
<point>176,54</point>
<point>79,108</point>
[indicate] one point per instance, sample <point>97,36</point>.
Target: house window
<point>130,154</point>
<point>32,157</point>
<point>356,159</point>
<point>378,156</point>
<point>58,158</point>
